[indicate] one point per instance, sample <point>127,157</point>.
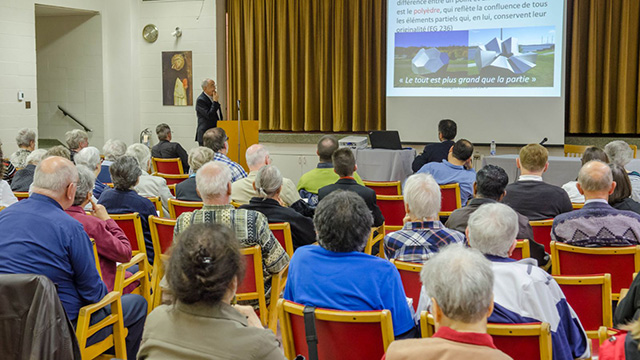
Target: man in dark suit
<point>166,149</point>
<point>207,109</point>
<point>344,164</point>
<point>447,131</point>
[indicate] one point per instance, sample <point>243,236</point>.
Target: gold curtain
<point>308,65</point>
<point>604,79</point>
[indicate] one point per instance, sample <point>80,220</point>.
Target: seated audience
<point>24,177</point>
<point>530,195</point>
<point>216,139</point>
<point>149,185</point>
<point>122,199</point>
<point>591,153</point>
<point>62,248</point>
<point>76,140</point>
<point>489,188</point>
<point>422,234</point>
<point>166,149</point>
<point>60,151</point>
<point>242,190</point>
<point>186,190</point>
<point>344,164</point>
<point>621,196</point>
<point>620,153</point>
<point>447,130</point>
<point>111,242</point>
<point>338,275</point>
<point>597,224</point>
<point>456,169</point>
<point>213,182</point>
<point>460,283</point>
<point>26,141</point>
<point>6,194</point>
<point>89,157</point>
<point>522,292</point>
<point>323,174</point>
<point>203,272</point>
<point>268,186</point>
<point>112,151</point>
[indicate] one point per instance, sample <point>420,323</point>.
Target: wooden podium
<point>248,136</point>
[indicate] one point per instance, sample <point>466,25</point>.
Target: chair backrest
<point>351,335</point>
<point>252,286</point>
<point>577,206</point>
<point>522,250</point>
<point>620,262</point>
<point>376,236</point>
<point>141,276</point>
<point>173,179</point>
<point>95,256</point>
<point>177,207</point>
<point>384,187</point>
<point>84,329</point>
<point>590,298</point>
<point>235,204</point>
<point>282,232</point>
<point>157,203</point>
<point>450,194</point>
<point>161,233</point>
<point>172,189</point>
<point>392,208</point>
<point>542,232</point>
<point>21,195</point>
<point>132,227</point>
<point>2,208</point>
<point>410,276</point>
<point>168,166</point>
<point>635,150</point>
<point>575,150</point>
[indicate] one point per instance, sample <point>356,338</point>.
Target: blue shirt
<point>104,175</point>
<point>126,202</point>
<point>417,241</point>
<point>56,247</point>
<point>352,281</point>
<point>237,172</point>
<point>99,188</point>
<point>447,173</point>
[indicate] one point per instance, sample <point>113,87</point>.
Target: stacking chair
<point>542,232</point>
<point>282,232</point>
<point>577,206</point>
<point>392,208</point>
<point>162,237</point>
<point>410,276</point>
<point>132,227</point>
<point>142,275</point>
<point>95,256</point>
<point>376,239</point>
<point>341,335</point>
<point>177,207</point>
<point>522,250</point>
<point>574,150</point>
<point>21,195</point>
<point>620,262</point>
<point>158,204</point>
<point>451,200</point>
<point>635,150</point>
<point>173,179</point>
<point>116,340</point>
<point>168,166</point>
<point>172,189</point>
<point>384,187</point>
<point>252,286</point>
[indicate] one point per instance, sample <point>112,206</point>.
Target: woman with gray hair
<point>268,185</point>
<point>76,140</point>
<point>89,157</point>
<point>112,151</point>
<point>198,156</point>
<point>26,141</point>
<point>24,177</point>
<point>149,185</point>
<point>122,199</point>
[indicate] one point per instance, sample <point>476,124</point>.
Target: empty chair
<point>177,207</point>
<point>167,166</point>
<point>575,150</point>
<point>173,179</point>
<point>450,198</point>
<point>392,208</point>
<point>384,187</point>
<point>542,232</point>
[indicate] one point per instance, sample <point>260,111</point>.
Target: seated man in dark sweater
<point>447,130</point>
<point>530,195</point>
<point>489,187</point>
<point>344,164</point>
<point>166,149</point>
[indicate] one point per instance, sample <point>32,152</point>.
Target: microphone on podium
<point>543,141</point>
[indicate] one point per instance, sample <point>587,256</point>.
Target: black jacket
<point>186,190</point>
<point>171,150</point>
<point>368,195</point>
<point>23,178</point>
<point>432,153</point>
<point>208,115</point>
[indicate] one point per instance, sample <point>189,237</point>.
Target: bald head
<point>595,180</point>
<point>257,156</point>
<point>53,177</point>
<point>213,181</point>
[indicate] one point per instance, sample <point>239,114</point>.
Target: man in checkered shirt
<point>216,140</point>
<point>422,234</point>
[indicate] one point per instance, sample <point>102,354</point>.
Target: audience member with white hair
<point>58,150</point>
<point>148,185</point>
<point>112,151</point>
<point>6,195</point>
<point>597,224</point>
<point>522,291</point>
<point>165,149</point>
<point>242,190</point>
<point>76,140</point>
<point>89,157</point>
<point>422,234</point>
<point>460,283</point>
<point>267,187</point>
<point>186,189</point>
<point>26,141</point>
<point>24,177</point>
<point>213,181</point>
<point>123,199</point>
<point>620,153</point>
<point>38,228</point>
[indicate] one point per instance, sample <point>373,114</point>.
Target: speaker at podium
<point>241,134</point>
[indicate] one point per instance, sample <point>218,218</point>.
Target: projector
<point>353,142</point>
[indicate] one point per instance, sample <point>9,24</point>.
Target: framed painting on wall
<point>177,81</point>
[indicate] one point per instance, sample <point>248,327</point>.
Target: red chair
<point>173,179</point>
<point>450,194</point>
<point>168,166</point>
<point>410,275</point>
<point>282,232</point>
<point>158,204</point>
<point>172,189</point>
<point>132,227</point>
<point>384,187</point>
<point>620,262</point>
<point>542,232</point>
<point>392,208</point>
<point>522,250</point>
<point>252,285</point>
<point>161,230</point>
<point>21,195</point>
<point>351,335</point>
<point>177,207</point>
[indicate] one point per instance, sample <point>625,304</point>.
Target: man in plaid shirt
<point>216,140</point>
<point>423,234</point>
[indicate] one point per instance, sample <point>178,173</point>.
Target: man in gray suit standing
<point>207,109</point>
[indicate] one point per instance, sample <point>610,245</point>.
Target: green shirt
<point>317,178</point>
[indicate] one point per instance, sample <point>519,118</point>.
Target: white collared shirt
<point>596,201</point>
<point>530,178</point>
